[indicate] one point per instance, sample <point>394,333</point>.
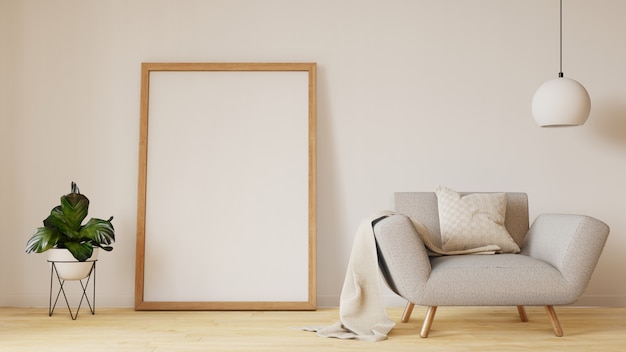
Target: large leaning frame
<point>201,147</point>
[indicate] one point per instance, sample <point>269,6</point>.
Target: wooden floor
<point>454,329</point>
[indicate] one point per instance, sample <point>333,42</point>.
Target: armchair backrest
<point>422,206</point>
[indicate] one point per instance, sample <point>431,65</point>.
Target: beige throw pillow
<point>472,221</point>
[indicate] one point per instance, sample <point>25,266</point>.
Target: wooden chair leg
<point>428,321</point>
<point>555,321</point>
<point>522,313</point>
<point>407,312</point>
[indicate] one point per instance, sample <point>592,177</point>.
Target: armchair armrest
<point>402,256</point>
<point>570,243</point>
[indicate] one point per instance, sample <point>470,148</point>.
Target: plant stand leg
<point>92,305</point>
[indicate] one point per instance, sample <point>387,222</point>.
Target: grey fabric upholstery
<point>559,254</point>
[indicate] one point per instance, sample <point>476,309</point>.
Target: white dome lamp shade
<point>561,101</point>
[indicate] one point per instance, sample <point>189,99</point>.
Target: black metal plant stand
<point>84,286</point>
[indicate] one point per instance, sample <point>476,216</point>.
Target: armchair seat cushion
<point>492,280</point>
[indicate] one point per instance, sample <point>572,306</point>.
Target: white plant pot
<point>67,266</point>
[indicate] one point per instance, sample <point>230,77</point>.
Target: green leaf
<point>106,248</point>
<point>80,251</point>
<point>98,231</point>
<point>43,239</point>
<point>57,220</point>
<point>74,207</point>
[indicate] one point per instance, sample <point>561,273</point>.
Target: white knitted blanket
<point>361,308</point>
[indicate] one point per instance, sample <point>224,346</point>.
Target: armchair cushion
<point>503,279</point>
<point>474,220</point>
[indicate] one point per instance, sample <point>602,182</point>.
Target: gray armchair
<point>558,255</point>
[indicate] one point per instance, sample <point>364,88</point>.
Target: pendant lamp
<point>561,101</point>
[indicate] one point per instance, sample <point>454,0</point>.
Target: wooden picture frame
<point>226,207</point>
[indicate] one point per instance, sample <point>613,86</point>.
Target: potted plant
<point>65,238</point>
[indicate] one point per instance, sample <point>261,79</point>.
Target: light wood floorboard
<point>454,329</point>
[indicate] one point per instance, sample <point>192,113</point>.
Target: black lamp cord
<point>561,39</point>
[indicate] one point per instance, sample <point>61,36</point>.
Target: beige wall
<point>412,94</point>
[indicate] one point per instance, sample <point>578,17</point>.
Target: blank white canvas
<point>227,187</point>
